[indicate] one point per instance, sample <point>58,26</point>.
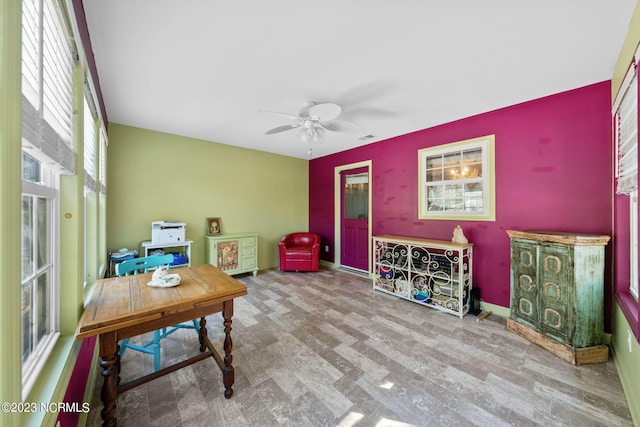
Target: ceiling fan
<point>312,120</point>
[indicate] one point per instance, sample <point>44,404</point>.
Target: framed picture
<point>213,226</point>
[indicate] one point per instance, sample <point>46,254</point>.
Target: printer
<point>163,232</point>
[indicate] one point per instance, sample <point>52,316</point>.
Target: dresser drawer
<point>248,252</point>
<point>249,242</point>
<point>248,263</point>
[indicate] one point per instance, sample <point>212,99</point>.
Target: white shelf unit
<point>185,246</point>
<point>434,273</point>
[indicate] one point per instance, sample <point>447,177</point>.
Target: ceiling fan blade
<point>365,93</point>
<point>281,129</point>
<point>278,113</point>
<point>325,112</point>
<point>341,126</point>
<point>304,109</point>
<point>368,113</point>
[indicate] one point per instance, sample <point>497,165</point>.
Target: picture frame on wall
<point>213,226</point>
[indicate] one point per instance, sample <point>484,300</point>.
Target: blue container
<point>420,295</point>
<point>124,255</point>
<point>178,258</point>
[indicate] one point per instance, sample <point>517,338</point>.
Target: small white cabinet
<point>233,253</point>
<point>435,273</point>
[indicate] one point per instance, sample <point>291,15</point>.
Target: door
<point>354,228</point>
<point>524,296</point>
<point>554,296</point>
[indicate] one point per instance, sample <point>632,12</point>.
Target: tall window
<point>456,180</point>
<point>47,74</point>
<point>633,217</point>
<point>39,272</point>
<point>90,176</point>
<point>625,111</point>
<point>102,175</point>
<point>90,143</point>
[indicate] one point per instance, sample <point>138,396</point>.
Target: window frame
<point>626,174</point>
<point>633,240</point>
<point>487,179</point>
<point>38,356</point>
<point>626,284</point>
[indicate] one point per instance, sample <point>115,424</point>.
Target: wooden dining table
<point>123,307</point>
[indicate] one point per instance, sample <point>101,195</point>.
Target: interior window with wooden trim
<point>457,180</point>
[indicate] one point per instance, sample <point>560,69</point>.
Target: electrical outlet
<point>629,340</point>
<point>326,248</point>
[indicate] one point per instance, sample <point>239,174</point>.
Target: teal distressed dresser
<point>557,286</point>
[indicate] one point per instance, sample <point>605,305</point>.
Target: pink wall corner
<point>553,172</point>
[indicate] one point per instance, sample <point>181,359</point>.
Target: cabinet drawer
<point>249,242</point>
<point>248,263</point>
<point>248,252</point>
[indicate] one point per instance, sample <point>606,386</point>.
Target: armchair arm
<point>285,241</point>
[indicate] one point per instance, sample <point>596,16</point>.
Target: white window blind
<point>626,133</point>
<point>31,36</point>
<point>47,73</point>
<point>90,142</point>
<point>103,160</point>
<point>57,72</point>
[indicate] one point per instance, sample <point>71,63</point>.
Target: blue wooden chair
<point>135,266</point>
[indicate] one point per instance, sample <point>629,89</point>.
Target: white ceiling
<point>204,68</point>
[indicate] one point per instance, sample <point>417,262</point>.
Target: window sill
<point>51,385</point>
<point>629,307</point>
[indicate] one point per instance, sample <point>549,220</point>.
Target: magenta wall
<point>78,383</point>
<point>553,172</point>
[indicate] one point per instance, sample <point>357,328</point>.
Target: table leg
<point>228,375</point>
<point>108,359</point>
<point>117,365</point>
<point>202,335</point>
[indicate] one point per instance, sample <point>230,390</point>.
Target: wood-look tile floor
<point>324,349</point>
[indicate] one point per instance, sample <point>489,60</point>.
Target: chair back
<point>136,265</point>
<point>301,238</point>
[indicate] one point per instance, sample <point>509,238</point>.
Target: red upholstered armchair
<point>299,252</point>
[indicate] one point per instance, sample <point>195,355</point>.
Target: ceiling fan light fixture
<point>308,135</point>
<point>311,134</point>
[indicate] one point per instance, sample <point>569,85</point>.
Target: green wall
<point>10,211</point>
<point>626,52</point>
<point>627,362</point>
<point>627,359</point>
<point>154,176</point>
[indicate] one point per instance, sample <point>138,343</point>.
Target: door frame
<point>337,195</point>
